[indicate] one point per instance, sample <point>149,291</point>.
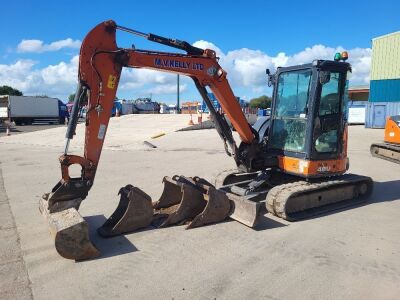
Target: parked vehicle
<point>25,110</point>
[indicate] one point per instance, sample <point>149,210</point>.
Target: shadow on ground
<point>265,222</point>
<point>386,191</point>
<point>108,247</point>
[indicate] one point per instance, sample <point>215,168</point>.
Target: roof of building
<point>359,88</point>
<point>386,35</point>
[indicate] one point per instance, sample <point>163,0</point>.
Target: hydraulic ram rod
<point>73,121</point>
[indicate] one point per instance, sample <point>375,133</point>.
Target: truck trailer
<point>25,110</point>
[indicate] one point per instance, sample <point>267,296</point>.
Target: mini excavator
<point>390,148</point>
<point>291,164</point>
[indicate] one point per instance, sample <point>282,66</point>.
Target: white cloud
<point>38,46</point>
<point>54,80</point>
<point>245,67</point>
<point>165,89</point>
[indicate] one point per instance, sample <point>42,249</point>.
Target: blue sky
<point>248,35</point>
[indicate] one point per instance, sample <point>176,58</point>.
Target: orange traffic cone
<point>191,120</point>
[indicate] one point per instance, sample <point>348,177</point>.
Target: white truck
<point>25,110</point>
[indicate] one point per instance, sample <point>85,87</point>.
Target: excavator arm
<point>100,66</point>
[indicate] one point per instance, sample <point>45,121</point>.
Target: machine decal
<point>111,81</point>
<point>102,132</point>
<point>177,64</point>
<point>212,71</point>
<point>323,168</point>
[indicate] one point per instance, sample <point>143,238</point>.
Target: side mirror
<point>324,77</point>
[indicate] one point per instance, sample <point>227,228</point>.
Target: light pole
<point>177,94</point>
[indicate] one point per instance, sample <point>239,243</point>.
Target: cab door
<point>329,121</point>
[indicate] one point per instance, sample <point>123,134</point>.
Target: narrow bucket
<point>222,204</point>
<point>216,210</point>
<point>134,211</point>
<point>180,201</point>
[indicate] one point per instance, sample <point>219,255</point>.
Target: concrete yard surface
<point>349,254</point>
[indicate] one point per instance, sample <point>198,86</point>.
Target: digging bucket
<point>134,211</point>
<point>222,204</point>
<point>180,201</point>
<point>70,232</point>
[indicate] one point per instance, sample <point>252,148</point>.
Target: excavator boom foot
<point>134,211</point>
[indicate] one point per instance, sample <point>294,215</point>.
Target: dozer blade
<point>180,201</point>
<point>386,151</point>
<point>244,211</point>
<point>70,232</point>
<point>134,211</point>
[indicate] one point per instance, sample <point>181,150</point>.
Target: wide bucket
<point>70,232</point>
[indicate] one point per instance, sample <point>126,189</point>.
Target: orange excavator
<point>291,164</point>
<point>390,148</point>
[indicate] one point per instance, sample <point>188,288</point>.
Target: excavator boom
<point>100,65</point>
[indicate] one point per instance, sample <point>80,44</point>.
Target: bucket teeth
<point>134,211</point>
<point>70,232</point>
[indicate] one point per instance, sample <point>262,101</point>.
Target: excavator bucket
<point>133,212</point>
<point>238,208</point>
<point>186,199</point>
<point>216,210</point>
<point>180,201</point>
<point>70,232</point>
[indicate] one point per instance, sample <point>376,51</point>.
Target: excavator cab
<point>307,124</point>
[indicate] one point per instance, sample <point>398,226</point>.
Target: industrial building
<point>384,96</point>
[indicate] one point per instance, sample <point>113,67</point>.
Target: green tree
<point>261,102</point>
<point>71,98</point>
<point>8,90</point>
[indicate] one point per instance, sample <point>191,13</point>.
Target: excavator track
<point>302,199</point>
<point>386,151</point>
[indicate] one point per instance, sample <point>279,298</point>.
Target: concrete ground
<point>26,128</point>
<point>351,254</point>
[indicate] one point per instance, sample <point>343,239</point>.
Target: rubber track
<point>279,196</point>
<point>394,148</point>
